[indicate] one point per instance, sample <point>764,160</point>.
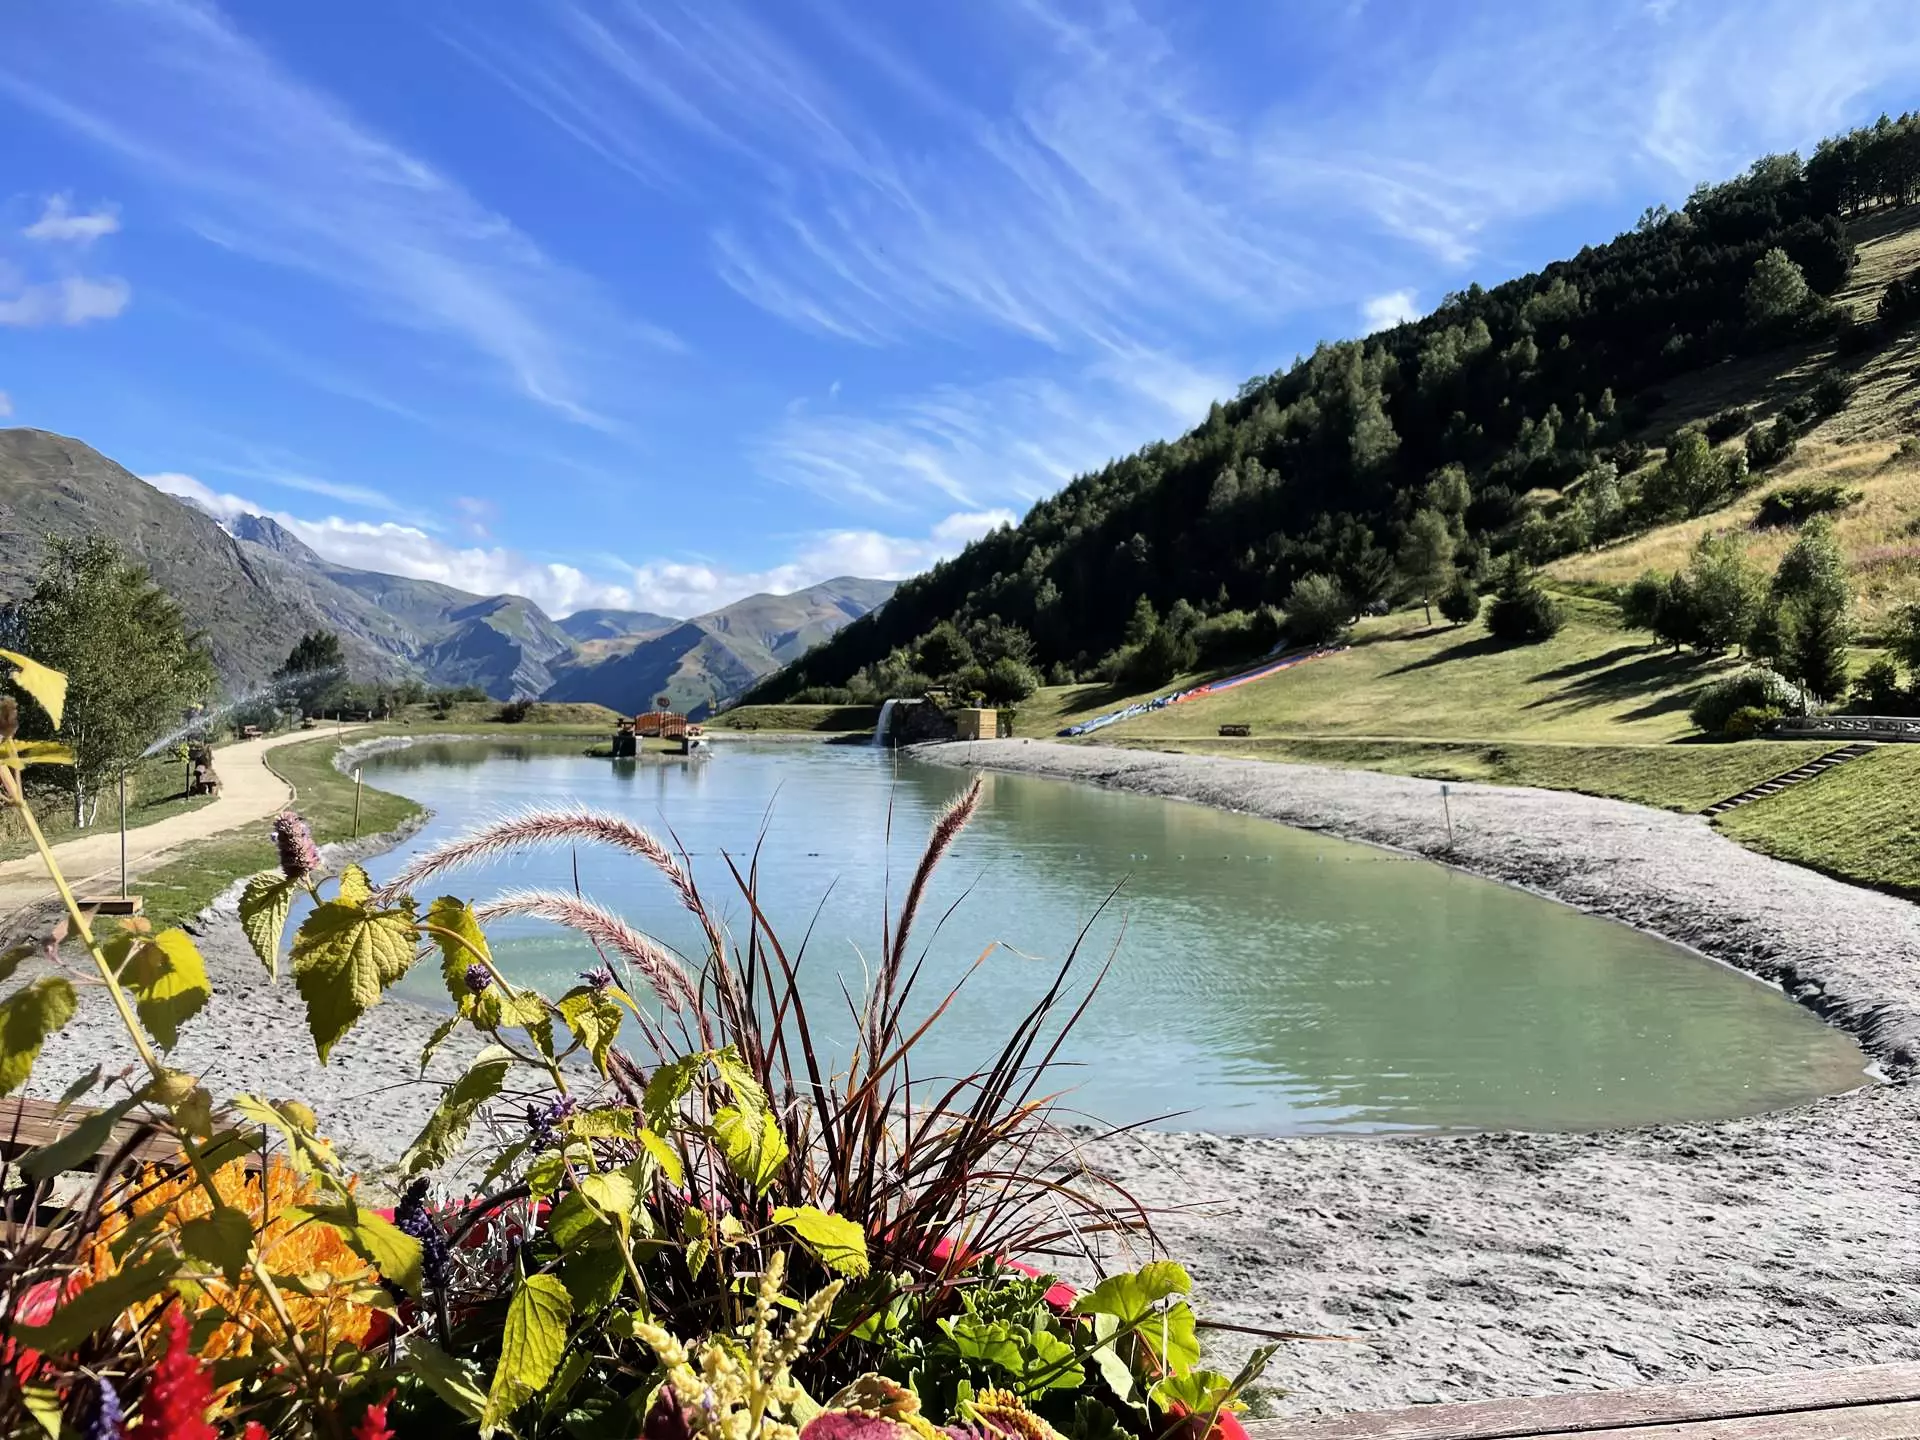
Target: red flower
<point>373,1424</point>
<point>254,1430</point>
<point>181,1392</point>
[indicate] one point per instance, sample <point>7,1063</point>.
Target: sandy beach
<point>1469,1267</point>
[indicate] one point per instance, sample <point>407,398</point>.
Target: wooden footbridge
<point>1877,1402</point>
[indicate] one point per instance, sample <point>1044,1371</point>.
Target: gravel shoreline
<point>1513,1264</point>
<point>1468,1267</point>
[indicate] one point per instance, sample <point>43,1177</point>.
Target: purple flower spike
<point>109,1419</point>
<point>478,978</point>
<point>299,857</point>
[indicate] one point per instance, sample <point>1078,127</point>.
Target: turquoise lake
<point>1263,980</point>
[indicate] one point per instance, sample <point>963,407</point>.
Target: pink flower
<point>181,1392</point>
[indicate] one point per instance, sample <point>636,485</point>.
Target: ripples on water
<point>1263,980</point>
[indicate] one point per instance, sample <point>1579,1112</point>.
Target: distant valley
<point>254,588</point>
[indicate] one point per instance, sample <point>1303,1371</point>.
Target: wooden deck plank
<point>29,1124</point>
<point>1851,1422</point>
<point>1599,1411</point>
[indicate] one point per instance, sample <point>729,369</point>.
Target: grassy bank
<point>1669,777</point>
<point>189,882</point>
<point>1859,822</point>
<point>156,790</point>
<point>798,719</point>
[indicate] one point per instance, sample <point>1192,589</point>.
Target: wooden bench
<point>1876,1402</point>
<point>28,1125</point>
<point>1240,731</point>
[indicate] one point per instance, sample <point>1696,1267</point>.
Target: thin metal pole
<point>123,829</point>
<point>356,802</point>
<point>1449,813</point>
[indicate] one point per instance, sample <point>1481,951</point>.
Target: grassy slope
<point>1860,821</point>
<point>825,719</point>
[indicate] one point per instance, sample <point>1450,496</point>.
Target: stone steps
<point>1790,778</point>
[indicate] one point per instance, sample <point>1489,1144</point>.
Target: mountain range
<point>254,587</point>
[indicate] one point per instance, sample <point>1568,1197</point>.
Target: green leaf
<point>593,1275</point>
<point>571,1371</point>
<point>594,1020</point>
<point>27,1017</point>
<point>37,752</point>
<point>454,1381</point>
<point>223,1238</point>
<point>530,1347</point>
<point>545,1175</point>
<point>343,958</point>
<point>11,959</point>
<point>837,1243</point>
<point>391,1251</point>
<point>437,1039</point>
<point>667,1087</point>
<point>605,1122</point>
<point>1113,1366</point>
<point>451,1118</point>
<point>355,888</point>
<point>1170,1335</point>
<point>1198,1392</point>
<point>48,687</point>
<point>307,1151</point>
<point>665,1156</point>
<point>747,1094</point>
<point>1131,1298</point>
<point>264,904</point>
<point>456,916</point>
<point>79,1144</point>
<point>573,1220</point>
<point>47,1406</point>
<point>169,982</point>
<point>99,1306</point>
<point>612,1195</point>
<point>755,1151</point>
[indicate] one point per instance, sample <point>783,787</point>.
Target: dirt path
<point>248,791</point>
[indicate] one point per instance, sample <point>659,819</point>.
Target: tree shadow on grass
<point>1464,650</point>
<point>1574,668</point>
<point>1662,672</point>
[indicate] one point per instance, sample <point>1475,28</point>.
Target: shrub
<point>1768,447</point>
<point>1318,611</point>
<point>1756,688</point>
<point>1799,502</point>
<point>1831,393</point>
<point>514,711</point>
<point>1522,613</point>
<point>1640,602</point>
<point>1460,601</point>
<point>1878,690</point>
<point>1729,423</point>
<point>1748,721</point>
<point>1235,635</point>
<point>1008,681</point>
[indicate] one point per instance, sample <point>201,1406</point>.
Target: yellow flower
<point>341,1289</point>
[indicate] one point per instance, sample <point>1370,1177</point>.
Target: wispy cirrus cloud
<point>44,282</point>
<point>265,165</point>
<point>1107,214</point>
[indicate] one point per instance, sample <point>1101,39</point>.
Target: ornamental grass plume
<point>659,969</point>
<point>337,1301</point>
<point>293,838</point>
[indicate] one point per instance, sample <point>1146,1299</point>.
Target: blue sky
<point>636,302</point>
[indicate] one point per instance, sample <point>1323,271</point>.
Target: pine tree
<point>1778,291</point>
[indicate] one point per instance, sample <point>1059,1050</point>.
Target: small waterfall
<point>886,718</point>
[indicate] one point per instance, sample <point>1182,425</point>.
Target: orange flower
<point>341,1289</point>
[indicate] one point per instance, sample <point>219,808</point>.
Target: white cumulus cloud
<point>61,223</point>
<point>668,586</point>
<point>71,300</point>
<point>1383,312</point>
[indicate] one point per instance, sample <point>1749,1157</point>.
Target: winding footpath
<point>249,790</point>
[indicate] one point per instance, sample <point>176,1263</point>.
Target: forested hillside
<point>1519,419</point>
